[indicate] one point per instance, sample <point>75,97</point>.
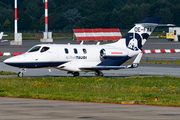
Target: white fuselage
<point>65,56</point>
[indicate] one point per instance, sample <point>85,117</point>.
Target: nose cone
<point>6,61</point>
<point>11,61</point>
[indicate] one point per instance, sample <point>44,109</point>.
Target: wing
<point>135,64</point>
<point>103,67</point>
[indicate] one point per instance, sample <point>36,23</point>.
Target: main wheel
<point>20,74</point>
<point>76,74</point>
<point>99,73</point>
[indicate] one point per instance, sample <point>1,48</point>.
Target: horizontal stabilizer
<point>169,25</point>
<point>151,20</point>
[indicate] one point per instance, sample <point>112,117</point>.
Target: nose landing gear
<point>21,74</point>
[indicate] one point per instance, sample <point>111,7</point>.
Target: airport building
<point>174,34</point>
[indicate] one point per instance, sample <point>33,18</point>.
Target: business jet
<point>1,35</point>
<point>76,58</point>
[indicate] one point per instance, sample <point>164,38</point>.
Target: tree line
<point>70,14</point>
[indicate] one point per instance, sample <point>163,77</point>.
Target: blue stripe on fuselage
<point>36,64</point>
<point>114,62</point>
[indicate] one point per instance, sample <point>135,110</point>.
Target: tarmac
<point>33,109</point>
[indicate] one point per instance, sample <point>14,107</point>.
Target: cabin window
<point>75,51</point>
<point>66,50</point>
<point>84,51</point>
<point>44,49</point>
<point>34,49</point>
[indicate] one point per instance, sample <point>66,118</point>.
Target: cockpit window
<point>44,49</point>
<point>34,49</point>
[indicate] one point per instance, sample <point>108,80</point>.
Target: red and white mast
<point>46,15</point>
<point>17,36</point>
<point>16,29</point>
<point>47,36</point>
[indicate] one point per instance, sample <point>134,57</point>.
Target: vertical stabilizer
<point>138,35</point>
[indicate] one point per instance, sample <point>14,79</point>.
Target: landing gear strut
<point>74,73</point>
<point>98,73</point>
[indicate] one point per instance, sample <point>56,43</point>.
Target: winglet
<point>135,64</point>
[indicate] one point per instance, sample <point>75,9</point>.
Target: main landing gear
<point>74,73</point>
<point>20,74</point>
<point>98,73</point>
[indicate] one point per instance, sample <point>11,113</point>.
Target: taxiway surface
<point>31,109</point>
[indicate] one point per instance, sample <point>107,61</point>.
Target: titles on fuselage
<point>76,57</point>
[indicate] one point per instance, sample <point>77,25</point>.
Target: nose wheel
<point>20,74</point>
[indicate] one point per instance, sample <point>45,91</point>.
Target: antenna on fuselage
<point>81,42</point>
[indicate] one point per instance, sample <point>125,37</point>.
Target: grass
<point>7,73</point>
<point>177,62</point>
<point>95,89</point>
<point>162,62</point>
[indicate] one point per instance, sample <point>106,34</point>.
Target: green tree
<point>143,11</point>
<point>72,15</point>
<point>24,21</point>
<point>7,24</point>
<point>176,17</point>
<point>166,14</point>
<point>128,16</point>
<point>35,9</point>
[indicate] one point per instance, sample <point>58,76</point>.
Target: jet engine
<point>113,53</point>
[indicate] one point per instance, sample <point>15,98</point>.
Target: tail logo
<point>133,44</point>
<point>133,41</point>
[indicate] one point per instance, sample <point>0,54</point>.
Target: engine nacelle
<point>113,53</point>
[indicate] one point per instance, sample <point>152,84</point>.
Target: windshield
<point>34,49</point>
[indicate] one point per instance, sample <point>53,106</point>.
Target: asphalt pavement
<point>31,109</point>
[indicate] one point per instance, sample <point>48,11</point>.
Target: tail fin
<point>138,35</point>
